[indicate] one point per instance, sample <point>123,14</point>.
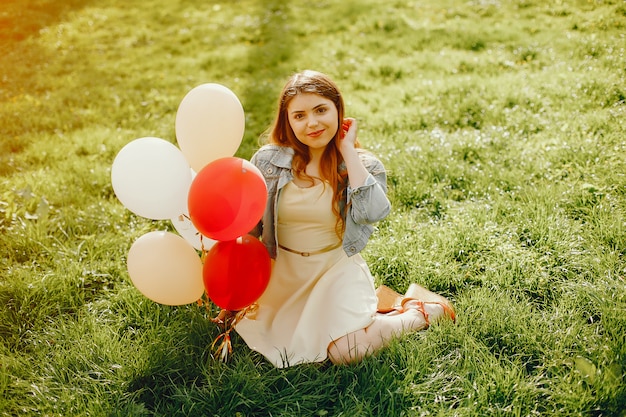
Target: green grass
<point>502,124</point>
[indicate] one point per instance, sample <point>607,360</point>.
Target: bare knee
<point>347,350</point>
<point>337,352</point>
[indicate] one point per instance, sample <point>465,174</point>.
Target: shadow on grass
<point>269,63</point>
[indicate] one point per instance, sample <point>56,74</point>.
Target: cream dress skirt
<point>316,293</point>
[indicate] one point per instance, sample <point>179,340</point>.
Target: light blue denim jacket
<point>367,204</point>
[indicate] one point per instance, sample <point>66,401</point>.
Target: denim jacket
<point>366,204</point>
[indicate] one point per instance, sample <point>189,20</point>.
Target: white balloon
<point>188,231</point>
<point>165,268</point>
<point>210,123</point>
<point>151,178</point>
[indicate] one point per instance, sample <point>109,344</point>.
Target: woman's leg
<point>354,346</point>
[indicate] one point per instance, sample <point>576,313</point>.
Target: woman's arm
<point>357,173</point>
<point>369,203</point>
<point>367,191</point>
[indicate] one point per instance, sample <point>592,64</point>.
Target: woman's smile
<point>316,133</point>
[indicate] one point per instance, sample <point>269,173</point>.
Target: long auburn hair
<point>280,133</point>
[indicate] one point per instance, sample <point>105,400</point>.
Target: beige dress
<point>310,300</point>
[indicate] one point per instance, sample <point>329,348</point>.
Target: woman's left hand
<point>348,134</point>
<point>357,174</point>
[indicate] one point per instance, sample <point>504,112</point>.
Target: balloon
<point>151,178</point>
<point>209,125</point>
<point>227,198</point>
<point>188,231</point>
<point>236,272</point>
<point>183,225</point>
<point>165,268</point>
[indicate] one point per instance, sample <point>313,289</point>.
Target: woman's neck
<point>316,155</point>
<point>313,167</point>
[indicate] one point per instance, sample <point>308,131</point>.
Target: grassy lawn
<point>502,124</point>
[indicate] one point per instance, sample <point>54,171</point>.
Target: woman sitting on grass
<point>324,194</point>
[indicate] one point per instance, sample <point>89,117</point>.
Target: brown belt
<point>315,252</point>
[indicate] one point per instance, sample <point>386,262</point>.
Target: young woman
<point>325,193</point>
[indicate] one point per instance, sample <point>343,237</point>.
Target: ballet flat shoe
<point>424,296</point>
<point>388,300</point>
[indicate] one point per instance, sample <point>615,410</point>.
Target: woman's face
<point>313,119</point>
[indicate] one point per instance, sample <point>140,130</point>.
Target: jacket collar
<point>283,157</point>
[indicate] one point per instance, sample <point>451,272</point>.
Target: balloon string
<point>204,250</point>
<point>197,233</point>
<point>225,346</point>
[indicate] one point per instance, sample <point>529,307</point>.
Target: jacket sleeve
<point>258,229</point>
<point>369,203</point>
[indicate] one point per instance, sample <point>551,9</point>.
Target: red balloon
<point>227,198</point>
<point>236,272</point>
